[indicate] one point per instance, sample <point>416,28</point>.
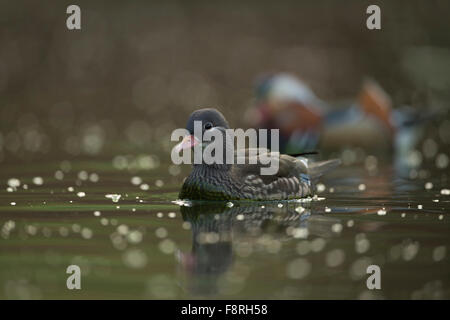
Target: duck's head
<point>200,122</point>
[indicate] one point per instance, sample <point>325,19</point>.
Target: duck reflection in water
<point>223,234</point>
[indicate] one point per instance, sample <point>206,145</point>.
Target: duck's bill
<point>187,143</point>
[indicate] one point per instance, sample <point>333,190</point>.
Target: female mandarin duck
<point>221,181</point>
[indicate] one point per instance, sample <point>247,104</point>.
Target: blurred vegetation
<point>137,69</point>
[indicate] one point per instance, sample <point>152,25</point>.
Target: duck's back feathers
<point>252,164</point>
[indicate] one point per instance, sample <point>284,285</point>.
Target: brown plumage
<point>294,179</point>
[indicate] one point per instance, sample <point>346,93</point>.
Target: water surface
<point>145,246</point>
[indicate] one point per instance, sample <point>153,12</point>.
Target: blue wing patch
<point>305,178</point>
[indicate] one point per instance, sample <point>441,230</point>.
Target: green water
<point>74,102</point>
<point>146,247</point>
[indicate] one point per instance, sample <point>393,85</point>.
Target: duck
<point>307,122</point>
<point>295,178</point>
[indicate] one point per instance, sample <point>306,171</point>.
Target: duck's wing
<point>253,164</point>
<point>288,166</point>
<point>248,152</point>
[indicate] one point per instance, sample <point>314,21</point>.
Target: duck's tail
<point>373,100</point>
<point>317,169</point>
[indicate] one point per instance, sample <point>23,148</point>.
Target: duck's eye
<point>208,125</point>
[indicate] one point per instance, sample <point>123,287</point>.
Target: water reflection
<point>221,234</point>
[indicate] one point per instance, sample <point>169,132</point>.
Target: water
<point>145,246</point>
<point>80,113</point>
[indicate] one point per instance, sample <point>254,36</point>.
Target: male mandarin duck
<point>305,121</point>
<point>294,178</point>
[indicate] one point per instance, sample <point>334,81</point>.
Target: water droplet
<point>298,268</point>
<point>439,253</point>
<point>300,233</point>
<point>144,187</point>
<point>86,233</point>
<point>442,161</point>
<point>303,247</point>
<point>59,175</point>
<point>135,237</point>
<point>337,227</point>
<point>320,187</point>
<point>335,258</point>
<point>14,183</point>
<point>161,232</point>
<point>300,210</point>
<point>135,258</point>
<point>122,229</point>
<point>409,251</point>
<point>38,181</point>
<point>318,244</point>
<point>82,175</point>
<point>93,177</point>
<point>167,246</point>
<point>113,197</point>
<point>136,180</point>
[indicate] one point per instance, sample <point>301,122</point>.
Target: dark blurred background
<point>136,69</point>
